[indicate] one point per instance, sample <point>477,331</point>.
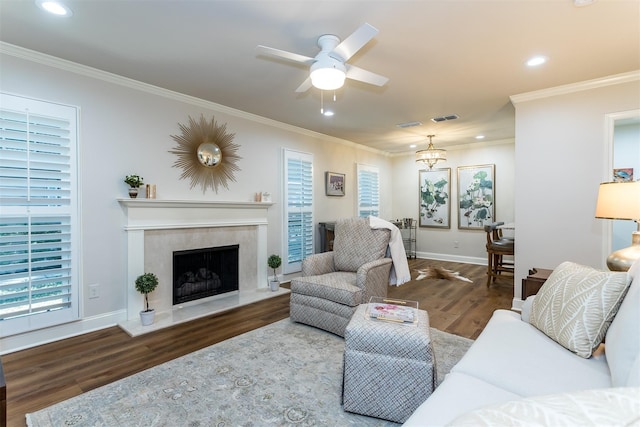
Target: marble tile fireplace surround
<point>156,228</point>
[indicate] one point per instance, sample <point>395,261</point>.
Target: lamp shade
<point>619,200</point>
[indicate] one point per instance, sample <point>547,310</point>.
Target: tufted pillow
<point>576,305</point>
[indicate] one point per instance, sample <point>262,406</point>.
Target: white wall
<point>626,154</point>
<point>436,243</point>
<point>561,158</point>
<point>125,128</point>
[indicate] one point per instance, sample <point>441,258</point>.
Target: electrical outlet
<point>93,291</point>
<point>456,244</point>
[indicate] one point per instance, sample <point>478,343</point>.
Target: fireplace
<point>157,228</point>
<point>204,272</point>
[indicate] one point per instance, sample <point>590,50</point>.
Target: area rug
<point>440,273</point>
<point>283,374</point>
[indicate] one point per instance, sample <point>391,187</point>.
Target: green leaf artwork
<point>476,197</point>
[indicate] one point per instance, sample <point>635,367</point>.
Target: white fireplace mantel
<point>149,214</point>
<point>155,215</point>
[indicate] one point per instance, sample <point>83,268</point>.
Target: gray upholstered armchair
<point>333,284</point>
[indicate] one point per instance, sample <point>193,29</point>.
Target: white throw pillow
<point>601,407</point>
<point>576,305</point>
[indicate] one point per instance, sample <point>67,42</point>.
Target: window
<point>368,191</point>
<point>38,214</point>
<point>298,212</point>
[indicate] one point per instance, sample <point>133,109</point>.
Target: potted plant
<point>134,182</point>
<point>274,262</point>
<point>146,283</point>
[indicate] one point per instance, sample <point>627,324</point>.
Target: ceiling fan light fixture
<point>330,78</point>
<point>431,155</point>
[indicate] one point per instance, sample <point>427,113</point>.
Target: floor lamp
<point>621,200</point>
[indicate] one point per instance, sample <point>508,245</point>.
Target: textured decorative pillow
<point>601,407</point>
<point>576,305</point>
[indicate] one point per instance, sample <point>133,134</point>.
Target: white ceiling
<point>442,57</point>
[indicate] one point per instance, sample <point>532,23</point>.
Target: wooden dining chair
<point>498,247</point>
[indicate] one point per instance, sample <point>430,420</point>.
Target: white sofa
<point>514,362</point>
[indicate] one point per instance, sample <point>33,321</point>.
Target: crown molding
<point>74,67</point>
<point>615,79</point>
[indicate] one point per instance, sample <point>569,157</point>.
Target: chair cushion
<point>511,354</point>
<point>339,286</point>
<point>356,243</point>
<point>576,305</point>
<point>502,245</point>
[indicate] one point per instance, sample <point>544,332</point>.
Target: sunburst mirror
<point>206,153</point>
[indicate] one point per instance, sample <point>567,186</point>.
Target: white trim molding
<point>631,76</point>
<point>63,64</point>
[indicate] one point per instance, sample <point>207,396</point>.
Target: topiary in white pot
<point>274,262</point>
<point>145,284</point>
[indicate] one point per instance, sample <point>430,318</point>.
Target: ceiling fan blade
<point>289,56</point>
<point>305,86</point>
<point>365,76</point>
<point>355,41</point>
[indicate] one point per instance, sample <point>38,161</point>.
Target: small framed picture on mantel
<point>334,184</point>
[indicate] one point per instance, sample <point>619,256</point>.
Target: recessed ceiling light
<point>413,146</point>
<point>479,136</point>
<point>328,113</point>
<point>580,3</point>
<point>537,60</point>
<point>55,7</point>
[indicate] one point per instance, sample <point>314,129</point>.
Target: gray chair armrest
<point>373,277</point>
<point>316,264</point>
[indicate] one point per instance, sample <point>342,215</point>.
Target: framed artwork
<point>476,189</point>
<point>434,188</point>
<point>334,184</point>
<point>623,175</point>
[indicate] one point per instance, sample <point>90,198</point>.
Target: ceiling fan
<point>328,69</point>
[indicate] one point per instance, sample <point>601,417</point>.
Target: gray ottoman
<point>389,368</point>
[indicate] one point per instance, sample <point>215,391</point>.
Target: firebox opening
<point>201,273</point>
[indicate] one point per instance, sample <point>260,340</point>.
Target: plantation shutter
<point>298,175</point>
<point>37,214</point>
<point>368,191</point>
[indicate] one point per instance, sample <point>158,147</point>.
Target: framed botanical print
<point>434,188</point>
<point>476,206</point>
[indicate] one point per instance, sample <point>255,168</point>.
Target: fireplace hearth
<point>204,272</point>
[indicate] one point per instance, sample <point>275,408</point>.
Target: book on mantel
<point>392,310</point>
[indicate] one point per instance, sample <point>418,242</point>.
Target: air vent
<point>445,118</point>
<point>409,124</point>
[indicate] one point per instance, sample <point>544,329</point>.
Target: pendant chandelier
<point>431,155</point>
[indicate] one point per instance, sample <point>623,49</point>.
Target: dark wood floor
<point>44,375</point>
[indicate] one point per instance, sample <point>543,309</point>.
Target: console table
<point>326,235</point>
<point>534,281</point>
